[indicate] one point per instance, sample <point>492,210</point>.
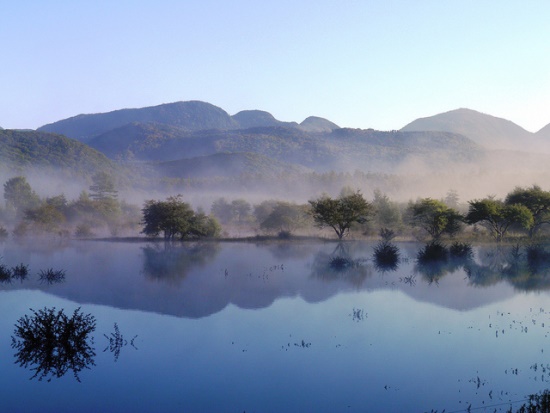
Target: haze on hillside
<point>198,149</point>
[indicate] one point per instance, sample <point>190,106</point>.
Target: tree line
<point>524,212</point>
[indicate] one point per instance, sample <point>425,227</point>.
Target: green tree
<point>176,219</point>
<point>45,218</point>
<point>434,217</point>
<point>340,213</point>
<point>537,201</point>
<point>19,195</point>
<point>498,217</point>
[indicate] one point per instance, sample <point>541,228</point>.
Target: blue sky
<point>362,64</point>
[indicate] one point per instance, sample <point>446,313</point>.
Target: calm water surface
<point>271,327</point>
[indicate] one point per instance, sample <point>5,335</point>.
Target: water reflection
<point>50,343</point>
<point>172,262</point>
<point>117,342</point>
<point>51,276</point>
<point>341,264</point>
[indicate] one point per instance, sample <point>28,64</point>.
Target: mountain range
<point>199,140</point>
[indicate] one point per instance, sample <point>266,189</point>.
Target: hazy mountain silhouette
<point>258,118</point>
<point>486,130</point>
<point>316,124</point>
<point>191,115</point>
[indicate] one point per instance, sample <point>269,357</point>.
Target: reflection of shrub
<point>538,403</point>
<point>432,251</point>
<point>340,263</point>
<point>461,250</point>
<point>3,233</point>
<point>5,274</point>
<point>20,271</point>
<point>51,276</point>
<point>386,255</point>
<point>537,257</point>
<point>52,343</point>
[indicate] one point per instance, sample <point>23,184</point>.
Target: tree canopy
<point>434,217</point>
<point>340,213</point>
<point>176,219</point>
<point>538,203</point>
<point>497,216</point>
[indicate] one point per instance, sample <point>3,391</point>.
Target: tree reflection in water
<point>172,261</point>
<point>341,264</point>
<point>50,343</point>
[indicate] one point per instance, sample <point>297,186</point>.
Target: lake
<point>271,327</point>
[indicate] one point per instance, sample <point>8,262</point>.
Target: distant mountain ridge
<point>486,130</point>
<point>190,115</point>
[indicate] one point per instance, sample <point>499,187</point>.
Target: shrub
<point>461,250</point>
<point>5,274</point>
<point>51,276</point>
<point>20,271</point>
<point>386,255</point>
<point>340,263</point>
<point>432,251</point>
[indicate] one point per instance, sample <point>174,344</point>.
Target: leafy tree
<point>103,187</point>
<point>19,195</point>
<point>340,213</point>
<point>434,217</point>
<point>285,217</point>
<point>175,218</point>
<point>497,216</point>
<point>45,218</point>
<point>537,201</point>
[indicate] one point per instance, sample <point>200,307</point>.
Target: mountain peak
<point>486,130</point>
<point>317,124</point>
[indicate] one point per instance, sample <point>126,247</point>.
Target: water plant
<point>51,343</point>
<point>5,274</point>
<point>433,251</point>
<point>340,263</point>
<point>386,255</point>
<point>51,276</point>
<point>461,250</point>
<point>20,271</point>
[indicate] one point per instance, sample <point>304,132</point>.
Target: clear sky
<point>363,64</point>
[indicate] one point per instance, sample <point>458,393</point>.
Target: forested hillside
<point>25,149</point>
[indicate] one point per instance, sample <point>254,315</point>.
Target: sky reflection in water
<point>319,340</point>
